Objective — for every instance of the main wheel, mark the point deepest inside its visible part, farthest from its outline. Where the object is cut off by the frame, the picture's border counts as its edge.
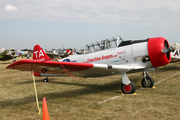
(128, 89)
(45, 80)
(149, 82)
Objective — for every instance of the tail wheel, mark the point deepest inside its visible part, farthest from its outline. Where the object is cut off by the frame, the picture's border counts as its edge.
(128, 89)
(45, 80)
(148, 82)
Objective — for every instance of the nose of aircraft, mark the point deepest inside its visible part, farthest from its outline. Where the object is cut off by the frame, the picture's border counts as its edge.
(159, 51)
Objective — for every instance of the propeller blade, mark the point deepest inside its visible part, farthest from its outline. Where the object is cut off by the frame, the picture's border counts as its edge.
(167, 50)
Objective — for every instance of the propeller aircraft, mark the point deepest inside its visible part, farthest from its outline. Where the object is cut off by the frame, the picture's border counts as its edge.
(105, 58)
(175, 54)
(7, 54)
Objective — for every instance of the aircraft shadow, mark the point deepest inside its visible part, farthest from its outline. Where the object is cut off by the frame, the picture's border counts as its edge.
(89, 89)
(168, 68)
(31, 81)
(5, 63)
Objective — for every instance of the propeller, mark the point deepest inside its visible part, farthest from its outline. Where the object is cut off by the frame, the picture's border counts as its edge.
(12, 52)
(167, 49)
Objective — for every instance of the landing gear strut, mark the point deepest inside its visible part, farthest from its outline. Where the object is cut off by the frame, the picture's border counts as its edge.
(147, 81)
(14, 60)
(45, 80)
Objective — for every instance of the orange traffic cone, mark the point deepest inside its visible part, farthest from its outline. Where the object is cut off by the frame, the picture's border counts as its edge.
(45, 110)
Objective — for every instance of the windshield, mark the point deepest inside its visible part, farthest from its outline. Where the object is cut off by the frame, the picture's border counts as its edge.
(102, 45)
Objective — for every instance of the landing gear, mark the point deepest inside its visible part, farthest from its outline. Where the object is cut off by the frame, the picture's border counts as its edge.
(128, 89)
(45, 80)
(14, 60)
(147, 81)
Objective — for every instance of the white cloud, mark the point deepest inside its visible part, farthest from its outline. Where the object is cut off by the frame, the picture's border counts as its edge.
(10, 8)
(102, 11)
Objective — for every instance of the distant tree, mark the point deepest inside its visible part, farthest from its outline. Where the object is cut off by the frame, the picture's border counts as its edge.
(27, 50)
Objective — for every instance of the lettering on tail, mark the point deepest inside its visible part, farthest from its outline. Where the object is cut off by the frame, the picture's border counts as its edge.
(39, 54)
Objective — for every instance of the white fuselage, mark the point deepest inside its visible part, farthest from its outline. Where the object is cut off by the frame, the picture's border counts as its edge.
(128, 54)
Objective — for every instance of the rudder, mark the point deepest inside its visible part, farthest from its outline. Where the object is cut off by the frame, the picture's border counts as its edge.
(39, 54)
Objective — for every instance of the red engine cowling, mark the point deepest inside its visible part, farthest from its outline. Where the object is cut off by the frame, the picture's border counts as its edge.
(157, 57)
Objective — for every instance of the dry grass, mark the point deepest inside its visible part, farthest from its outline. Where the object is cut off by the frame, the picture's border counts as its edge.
(68, 98)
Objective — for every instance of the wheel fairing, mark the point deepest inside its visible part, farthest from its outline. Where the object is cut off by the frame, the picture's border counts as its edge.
(128, 89)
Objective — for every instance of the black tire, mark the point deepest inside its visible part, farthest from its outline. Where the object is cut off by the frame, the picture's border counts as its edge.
(128, 89)
(148, 83)
(45, 80)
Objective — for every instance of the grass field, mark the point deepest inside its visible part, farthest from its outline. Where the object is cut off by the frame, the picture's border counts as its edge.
(70, 99)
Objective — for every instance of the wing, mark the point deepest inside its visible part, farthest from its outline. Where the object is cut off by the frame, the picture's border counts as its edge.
(50, 66)
(76, 69)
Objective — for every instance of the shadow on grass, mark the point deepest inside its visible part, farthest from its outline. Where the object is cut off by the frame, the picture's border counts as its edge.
(30, 81)
(6, 63)
(174, 66)
(89, 89)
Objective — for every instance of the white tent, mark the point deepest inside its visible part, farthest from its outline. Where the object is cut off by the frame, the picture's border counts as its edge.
(2, 50)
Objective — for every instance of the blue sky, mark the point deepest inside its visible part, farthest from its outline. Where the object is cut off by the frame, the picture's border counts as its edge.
(72, 24)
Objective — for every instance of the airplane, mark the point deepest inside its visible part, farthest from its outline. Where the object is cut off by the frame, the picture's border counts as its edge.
(105, 58)
(59, 54)
(7, 54)
(175, 54)
(23, 53)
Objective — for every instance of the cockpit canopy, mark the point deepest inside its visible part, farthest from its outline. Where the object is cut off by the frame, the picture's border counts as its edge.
(102, 45)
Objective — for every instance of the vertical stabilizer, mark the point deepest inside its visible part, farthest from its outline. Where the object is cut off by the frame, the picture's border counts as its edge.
(39, 54)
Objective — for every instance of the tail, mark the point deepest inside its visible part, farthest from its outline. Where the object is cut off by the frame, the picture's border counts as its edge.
(39, 54)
